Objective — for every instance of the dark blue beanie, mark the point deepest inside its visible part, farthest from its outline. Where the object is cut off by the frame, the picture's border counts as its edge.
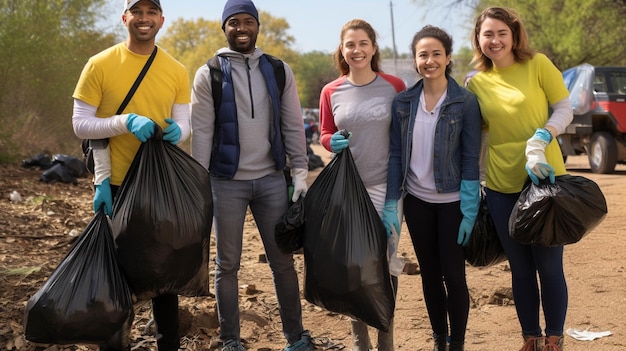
(234, 7)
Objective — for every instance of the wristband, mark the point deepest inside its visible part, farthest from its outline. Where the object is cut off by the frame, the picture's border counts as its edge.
(549, 133)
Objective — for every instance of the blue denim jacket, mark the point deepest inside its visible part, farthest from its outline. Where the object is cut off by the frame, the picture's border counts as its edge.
(457, 139)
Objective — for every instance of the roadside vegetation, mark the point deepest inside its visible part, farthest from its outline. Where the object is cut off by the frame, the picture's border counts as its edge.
(45, 44)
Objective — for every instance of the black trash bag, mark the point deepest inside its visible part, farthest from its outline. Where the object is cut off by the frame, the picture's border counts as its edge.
(484, 248)
(315, 161)
(86, 300)
(290, 229)
(345, 247)
(58, 173)
(557, 214)
(75, 166)
(43, 161)
(162, 219)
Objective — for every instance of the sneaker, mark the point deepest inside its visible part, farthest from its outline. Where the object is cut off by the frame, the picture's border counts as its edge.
(233, 345)
(304, 344)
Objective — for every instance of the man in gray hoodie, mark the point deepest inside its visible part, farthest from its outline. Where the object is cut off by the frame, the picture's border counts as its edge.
(244, 144)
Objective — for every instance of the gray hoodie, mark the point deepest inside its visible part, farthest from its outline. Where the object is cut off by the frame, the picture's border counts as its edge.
(254, 122)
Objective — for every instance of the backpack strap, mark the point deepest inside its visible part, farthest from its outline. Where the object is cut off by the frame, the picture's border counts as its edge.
(279, 71)
(215, 70)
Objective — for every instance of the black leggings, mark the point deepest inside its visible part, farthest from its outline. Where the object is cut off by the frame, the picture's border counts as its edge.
(434, 230)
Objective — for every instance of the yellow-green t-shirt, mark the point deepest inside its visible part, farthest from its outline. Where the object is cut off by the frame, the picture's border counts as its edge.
(514, 103)
(107, 78)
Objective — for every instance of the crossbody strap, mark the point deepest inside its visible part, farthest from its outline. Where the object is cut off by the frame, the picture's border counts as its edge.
(89, 144)
(132, 90)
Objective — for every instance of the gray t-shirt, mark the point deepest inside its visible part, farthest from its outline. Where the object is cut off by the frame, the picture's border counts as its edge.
(365, 111)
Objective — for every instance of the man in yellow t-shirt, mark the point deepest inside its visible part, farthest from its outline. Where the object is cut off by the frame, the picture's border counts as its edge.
(162, 98)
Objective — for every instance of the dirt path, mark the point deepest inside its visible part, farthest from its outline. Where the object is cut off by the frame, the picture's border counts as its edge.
(34, 236)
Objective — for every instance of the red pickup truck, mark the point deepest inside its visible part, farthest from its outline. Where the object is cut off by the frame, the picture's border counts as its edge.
(598, 96)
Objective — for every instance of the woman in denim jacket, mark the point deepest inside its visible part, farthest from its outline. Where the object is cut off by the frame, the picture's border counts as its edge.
(433, 167)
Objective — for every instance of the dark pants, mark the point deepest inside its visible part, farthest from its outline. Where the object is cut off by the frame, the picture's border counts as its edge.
(165, 312)
(434, 230)
(528, 262)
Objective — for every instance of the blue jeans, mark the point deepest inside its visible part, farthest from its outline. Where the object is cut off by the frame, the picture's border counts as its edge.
(528, 261)
(267, 199)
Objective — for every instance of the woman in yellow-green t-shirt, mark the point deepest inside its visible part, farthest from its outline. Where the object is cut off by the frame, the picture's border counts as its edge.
(515, 87)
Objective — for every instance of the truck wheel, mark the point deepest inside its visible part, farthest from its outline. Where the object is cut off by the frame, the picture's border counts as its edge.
(602, 153)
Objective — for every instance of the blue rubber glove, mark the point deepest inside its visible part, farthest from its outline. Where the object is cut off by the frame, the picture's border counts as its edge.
(142, 127)
(338, 141)
(536, 165)
(470, 202)
(390, 217)
(103, 197)
(172, 132)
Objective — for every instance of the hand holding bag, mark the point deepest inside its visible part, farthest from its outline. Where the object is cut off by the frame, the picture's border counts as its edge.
(557, 214)
(345, 247)
(162, 220)
(484, 248)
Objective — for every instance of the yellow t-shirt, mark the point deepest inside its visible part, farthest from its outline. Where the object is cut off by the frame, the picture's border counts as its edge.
(107, 78)
(514, 103)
